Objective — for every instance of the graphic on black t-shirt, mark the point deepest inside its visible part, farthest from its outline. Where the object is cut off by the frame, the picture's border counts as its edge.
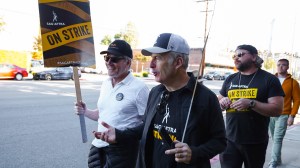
(166, 115)
(235, 94)
(160, 159)
(165, 118)
(249, 126)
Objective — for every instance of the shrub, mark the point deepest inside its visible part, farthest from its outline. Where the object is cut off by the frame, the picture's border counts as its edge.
(136, 75)
(145, 74)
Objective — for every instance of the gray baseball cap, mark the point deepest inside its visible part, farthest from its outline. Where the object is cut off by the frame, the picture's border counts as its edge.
(167, 42)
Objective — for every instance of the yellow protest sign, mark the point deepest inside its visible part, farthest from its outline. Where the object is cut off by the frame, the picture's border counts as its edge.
(67, 34)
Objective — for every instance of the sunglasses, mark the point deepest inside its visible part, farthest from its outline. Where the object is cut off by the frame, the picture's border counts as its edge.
(281, 65)
(239, 55)
(161, 106)
(112, 59)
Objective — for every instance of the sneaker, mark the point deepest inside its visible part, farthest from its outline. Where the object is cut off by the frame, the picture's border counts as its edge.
(274, 164)
(279, 162)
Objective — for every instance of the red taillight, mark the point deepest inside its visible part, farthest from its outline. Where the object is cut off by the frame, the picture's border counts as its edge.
(25, 74)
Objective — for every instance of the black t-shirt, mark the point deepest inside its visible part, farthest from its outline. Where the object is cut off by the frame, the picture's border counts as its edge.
(166, 117)
(248, 126)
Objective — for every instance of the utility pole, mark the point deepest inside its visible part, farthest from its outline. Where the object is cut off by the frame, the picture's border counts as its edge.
(202, 65)
(271, 34)
(294, 58)
(270, 44)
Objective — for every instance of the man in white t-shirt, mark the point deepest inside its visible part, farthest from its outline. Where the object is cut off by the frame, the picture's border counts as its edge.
(121, 104)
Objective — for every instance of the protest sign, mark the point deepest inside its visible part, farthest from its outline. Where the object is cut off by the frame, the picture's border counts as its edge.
(67, 38)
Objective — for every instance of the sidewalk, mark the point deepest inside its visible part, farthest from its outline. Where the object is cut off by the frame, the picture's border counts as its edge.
(290, 149)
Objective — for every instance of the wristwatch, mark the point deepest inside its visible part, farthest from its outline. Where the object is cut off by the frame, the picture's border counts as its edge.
(252, 104)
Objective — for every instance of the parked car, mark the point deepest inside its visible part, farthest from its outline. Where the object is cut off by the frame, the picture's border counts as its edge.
(213, 75)
(92, 70)
(226, 74)
(55, 73)
(194, 72)
(11, 71)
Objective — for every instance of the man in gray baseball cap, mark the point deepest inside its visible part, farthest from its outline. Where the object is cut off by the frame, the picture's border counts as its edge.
(165, 139)
(168, 108)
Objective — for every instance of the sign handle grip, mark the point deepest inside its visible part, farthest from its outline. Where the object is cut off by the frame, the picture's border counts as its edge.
(79, 98)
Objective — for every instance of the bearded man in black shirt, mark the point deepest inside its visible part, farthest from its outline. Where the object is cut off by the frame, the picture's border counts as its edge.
(250, 97)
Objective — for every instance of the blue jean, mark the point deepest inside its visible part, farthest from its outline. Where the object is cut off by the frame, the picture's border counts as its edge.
(277, 127)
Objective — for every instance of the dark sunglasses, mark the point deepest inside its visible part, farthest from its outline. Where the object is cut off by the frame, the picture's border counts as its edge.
(113, 59)
(161, 106)
(239, 55)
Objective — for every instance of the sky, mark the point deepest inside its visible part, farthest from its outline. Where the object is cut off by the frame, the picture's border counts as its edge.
(267, 24)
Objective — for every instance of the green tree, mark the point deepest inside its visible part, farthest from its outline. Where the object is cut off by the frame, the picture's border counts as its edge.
(2, 24)
(269, 63)
(119, 36)
(37, 53)
(129, 34)
(141, 58)
(106, 40)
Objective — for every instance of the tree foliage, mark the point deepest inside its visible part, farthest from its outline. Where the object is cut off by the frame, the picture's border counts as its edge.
(269, 63)
(268, 60)
(37, 53)
(141, 58)
(118, 36)
(2, 24)
(129, 34)
(106, 40)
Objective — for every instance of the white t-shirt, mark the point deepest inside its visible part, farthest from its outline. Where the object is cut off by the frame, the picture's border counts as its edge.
(121, 106)
(281, 80)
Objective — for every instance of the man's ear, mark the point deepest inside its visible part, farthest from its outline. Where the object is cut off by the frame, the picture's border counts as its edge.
(179, 62)
(129, 63)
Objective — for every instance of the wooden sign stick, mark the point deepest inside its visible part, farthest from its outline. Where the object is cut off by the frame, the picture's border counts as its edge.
(79, 98)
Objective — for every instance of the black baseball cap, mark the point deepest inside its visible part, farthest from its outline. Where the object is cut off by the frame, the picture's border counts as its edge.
(252, 50)
(119, 48)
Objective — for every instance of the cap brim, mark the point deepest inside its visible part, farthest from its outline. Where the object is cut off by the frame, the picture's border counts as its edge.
(153, 50)
(116, 53)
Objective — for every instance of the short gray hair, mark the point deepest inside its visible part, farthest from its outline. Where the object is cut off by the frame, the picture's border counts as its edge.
(128, 59)
(185, 58)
